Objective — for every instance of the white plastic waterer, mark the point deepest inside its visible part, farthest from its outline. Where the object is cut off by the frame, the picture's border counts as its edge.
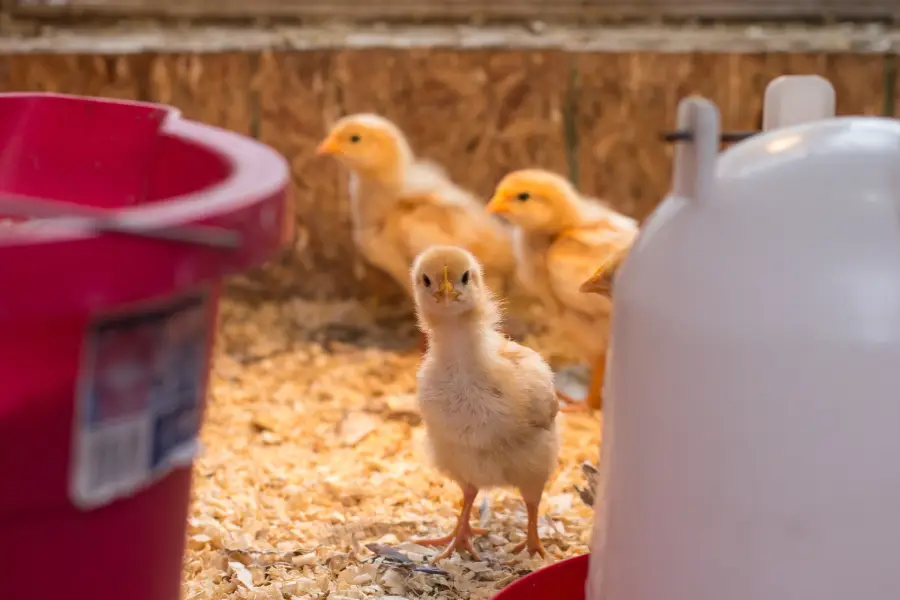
(753, 403)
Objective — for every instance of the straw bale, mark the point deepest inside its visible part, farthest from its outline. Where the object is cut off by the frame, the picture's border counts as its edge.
(311, 454)
(626, 100)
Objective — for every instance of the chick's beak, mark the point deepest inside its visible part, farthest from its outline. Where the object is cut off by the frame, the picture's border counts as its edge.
(445, 289)
(328, 146)
(497, 205)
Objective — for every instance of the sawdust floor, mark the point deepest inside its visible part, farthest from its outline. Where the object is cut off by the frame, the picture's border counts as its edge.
(312, 454)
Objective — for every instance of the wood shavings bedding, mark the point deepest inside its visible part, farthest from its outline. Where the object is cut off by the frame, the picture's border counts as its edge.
(312, 452)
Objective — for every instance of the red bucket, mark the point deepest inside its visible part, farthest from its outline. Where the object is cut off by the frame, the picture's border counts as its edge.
(564, 580)
(107, 331)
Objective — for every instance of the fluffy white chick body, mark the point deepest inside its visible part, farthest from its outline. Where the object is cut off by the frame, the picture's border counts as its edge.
(475, 435)
(489, 404)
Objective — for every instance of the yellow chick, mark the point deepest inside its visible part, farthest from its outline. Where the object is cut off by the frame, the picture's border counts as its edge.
(489, 404)
(400, 205)
(560, 239)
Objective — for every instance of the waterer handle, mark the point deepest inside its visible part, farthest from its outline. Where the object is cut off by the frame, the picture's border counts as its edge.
(695, 161)
(795, 99)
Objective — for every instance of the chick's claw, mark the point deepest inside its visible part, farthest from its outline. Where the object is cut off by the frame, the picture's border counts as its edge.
(533, 545)
(461, 542)
(447, 539)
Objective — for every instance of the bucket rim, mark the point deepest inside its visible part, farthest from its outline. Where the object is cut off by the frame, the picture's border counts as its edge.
(256, 172)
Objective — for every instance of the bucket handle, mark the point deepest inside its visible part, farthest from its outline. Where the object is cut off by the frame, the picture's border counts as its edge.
(695, 160)
(101, 220)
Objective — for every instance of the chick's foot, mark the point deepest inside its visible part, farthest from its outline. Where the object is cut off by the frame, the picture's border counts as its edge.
(461, 538)
(461, 542)
(534, 546)
(446, 539)
(532, 542)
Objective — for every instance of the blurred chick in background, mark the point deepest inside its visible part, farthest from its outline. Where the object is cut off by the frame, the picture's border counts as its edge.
(561, 238)
(489, 404)
(400, 205)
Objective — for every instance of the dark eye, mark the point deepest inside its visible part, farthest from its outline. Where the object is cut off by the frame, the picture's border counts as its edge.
(523, 196)
(354, 139)
(426, 280)
(465, 278)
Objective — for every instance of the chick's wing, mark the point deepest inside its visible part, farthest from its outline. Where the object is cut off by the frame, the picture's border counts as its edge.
(574, 258)
(540, 404)
(603, 277)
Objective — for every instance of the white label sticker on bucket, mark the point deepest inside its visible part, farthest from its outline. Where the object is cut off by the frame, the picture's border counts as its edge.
(139, 401)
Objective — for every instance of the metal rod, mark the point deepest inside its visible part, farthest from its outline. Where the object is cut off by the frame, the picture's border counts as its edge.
(21, 206)
(686, 136)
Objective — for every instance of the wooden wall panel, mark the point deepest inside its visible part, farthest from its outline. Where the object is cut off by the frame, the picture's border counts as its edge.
(596, 116)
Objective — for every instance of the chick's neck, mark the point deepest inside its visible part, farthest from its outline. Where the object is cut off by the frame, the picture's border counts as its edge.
(462, 337)
(375, 192)
(574, 213)
(388, 176)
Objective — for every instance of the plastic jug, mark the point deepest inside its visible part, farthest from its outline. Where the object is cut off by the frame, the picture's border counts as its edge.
(751, 431)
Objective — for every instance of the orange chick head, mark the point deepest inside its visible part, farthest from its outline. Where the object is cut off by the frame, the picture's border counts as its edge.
(367, 143)
(447, 281)
(535, 200)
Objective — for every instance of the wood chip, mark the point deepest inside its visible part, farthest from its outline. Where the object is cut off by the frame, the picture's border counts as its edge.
(403, 405)
(355, 427)
(242, 573)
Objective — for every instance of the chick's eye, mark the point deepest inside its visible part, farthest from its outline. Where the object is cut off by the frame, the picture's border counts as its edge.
(523, 196)
(426, 280)
(465, 278)
(354, 139)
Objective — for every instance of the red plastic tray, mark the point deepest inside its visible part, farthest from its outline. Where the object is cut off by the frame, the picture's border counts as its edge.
(564, 580)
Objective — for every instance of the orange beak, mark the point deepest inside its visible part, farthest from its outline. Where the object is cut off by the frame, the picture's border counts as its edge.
(497, 205)
(328, 146)
(445, 289)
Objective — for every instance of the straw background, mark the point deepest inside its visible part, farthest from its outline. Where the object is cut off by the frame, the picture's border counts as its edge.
(595, 116)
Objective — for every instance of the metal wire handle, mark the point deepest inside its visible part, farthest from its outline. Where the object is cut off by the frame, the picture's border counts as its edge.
(98, 219)
(683, 135)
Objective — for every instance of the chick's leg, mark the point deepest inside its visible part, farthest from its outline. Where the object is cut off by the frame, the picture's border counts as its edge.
(593, 398)
(461, 538)
(532, 541)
